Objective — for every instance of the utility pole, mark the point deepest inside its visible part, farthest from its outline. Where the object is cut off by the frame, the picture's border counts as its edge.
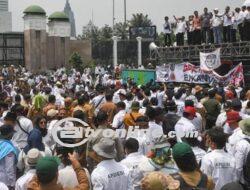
(113, 14)
(125, 11)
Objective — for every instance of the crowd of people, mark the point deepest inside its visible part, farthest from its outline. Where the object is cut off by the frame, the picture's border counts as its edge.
(213, 27)
(32, 159)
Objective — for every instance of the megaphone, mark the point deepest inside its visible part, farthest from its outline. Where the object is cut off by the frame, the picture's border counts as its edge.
(153, 46)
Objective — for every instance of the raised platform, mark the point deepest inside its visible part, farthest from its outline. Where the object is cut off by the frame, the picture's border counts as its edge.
(236, 52)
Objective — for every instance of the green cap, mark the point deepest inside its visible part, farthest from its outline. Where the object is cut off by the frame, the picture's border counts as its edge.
(135, 106)
(181, 149)
(245, 126)
(47, 165)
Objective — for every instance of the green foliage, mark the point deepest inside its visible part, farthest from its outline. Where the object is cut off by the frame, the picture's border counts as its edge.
(121, 30)
(140, 20)
(106, 32)
(89, 32)
(160, 39)
(76, 62)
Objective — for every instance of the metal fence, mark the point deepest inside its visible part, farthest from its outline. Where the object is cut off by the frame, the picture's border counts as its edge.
(102, 51)
(11, 48)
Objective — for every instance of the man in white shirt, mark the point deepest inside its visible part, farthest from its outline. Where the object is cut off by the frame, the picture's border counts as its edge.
(227, 25)
(118, 118)
(217, 26)
(23, 127)
(181, 27)
(155, 131)
(167, 30)
(218, 164)
(240, 17)
(184, 126)
(98, 100)
(242, 147)
(197, 121)
(108, 174)
(31, 160)
(133, 159)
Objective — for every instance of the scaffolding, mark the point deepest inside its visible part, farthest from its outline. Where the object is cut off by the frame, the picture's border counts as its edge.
(236, 52)
(12, 48)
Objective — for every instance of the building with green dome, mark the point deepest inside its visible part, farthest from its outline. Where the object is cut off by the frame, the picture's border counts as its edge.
(59, 24)
(34, 10)
(47, 40)
(34, 18)
(59, 16)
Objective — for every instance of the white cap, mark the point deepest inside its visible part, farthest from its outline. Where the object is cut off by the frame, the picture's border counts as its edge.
(216, 9)
(123, 92)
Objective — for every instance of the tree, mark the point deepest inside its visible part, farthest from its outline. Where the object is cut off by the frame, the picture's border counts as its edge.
(140, 20)
(121, 30)
(89, 32)
(76, 62)
(106, 33)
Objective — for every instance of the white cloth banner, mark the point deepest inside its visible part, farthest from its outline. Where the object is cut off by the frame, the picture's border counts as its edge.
(188, 73)
(210, 61)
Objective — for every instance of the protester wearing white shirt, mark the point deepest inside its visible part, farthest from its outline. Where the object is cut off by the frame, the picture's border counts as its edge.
(184, 126)
(218, 164)
(227, 25)
(133, 159)
(181, 27)
(242, 147)
(109, 174)
(119, 117)
(98, 100)
(167, 30)
(3, 186)
(30, 161)
(216, 22)
(155, 131)
(23, 126)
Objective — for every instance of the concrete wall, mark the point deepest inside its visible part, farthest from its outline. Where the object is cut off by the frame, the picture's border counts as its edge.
(83, 47)
(43, 52)
(35, 50)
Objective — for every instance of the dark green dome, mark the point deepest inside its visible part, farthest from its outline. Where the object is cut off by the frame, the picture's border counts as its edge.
(34, 9)
(59, 16)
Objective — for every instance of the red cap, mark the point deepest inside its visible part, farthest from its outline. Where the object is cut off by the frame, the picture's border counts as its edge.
(190, 110)
(233, 116)
(230, 95)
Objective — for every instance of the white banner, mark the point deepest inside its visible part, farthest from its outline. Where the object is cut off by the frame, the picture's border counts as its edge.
(210, 61)
(188, 73)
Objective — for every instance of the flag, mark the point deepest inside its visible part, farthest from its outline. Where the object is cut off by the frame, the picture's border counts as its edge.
(210, 61)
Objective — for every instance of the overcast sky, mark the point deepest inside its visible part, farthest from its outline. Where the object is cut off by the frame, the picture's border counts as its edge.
(102, 9)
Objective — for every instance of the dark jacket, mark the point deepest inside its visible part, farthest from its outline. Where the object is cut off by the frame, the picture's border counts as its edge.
(169, 122)
(213, 109)
(35, 141)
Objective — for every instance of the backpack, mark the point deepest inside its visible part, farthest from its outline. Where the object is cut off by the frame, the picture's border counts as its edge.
(202, 185)
(246, 166)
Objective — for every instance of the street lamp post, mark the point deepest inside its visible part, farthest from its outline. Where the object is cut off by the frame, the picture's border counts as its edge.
(125, 11)
(113, 14)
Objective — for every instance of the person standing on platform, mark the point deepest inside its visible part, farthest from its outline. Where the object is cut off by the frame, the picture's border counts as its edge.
(216, 23)
(181, 27)
(167, 29)
(197, 29)
(205, 26)
(227, 25)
